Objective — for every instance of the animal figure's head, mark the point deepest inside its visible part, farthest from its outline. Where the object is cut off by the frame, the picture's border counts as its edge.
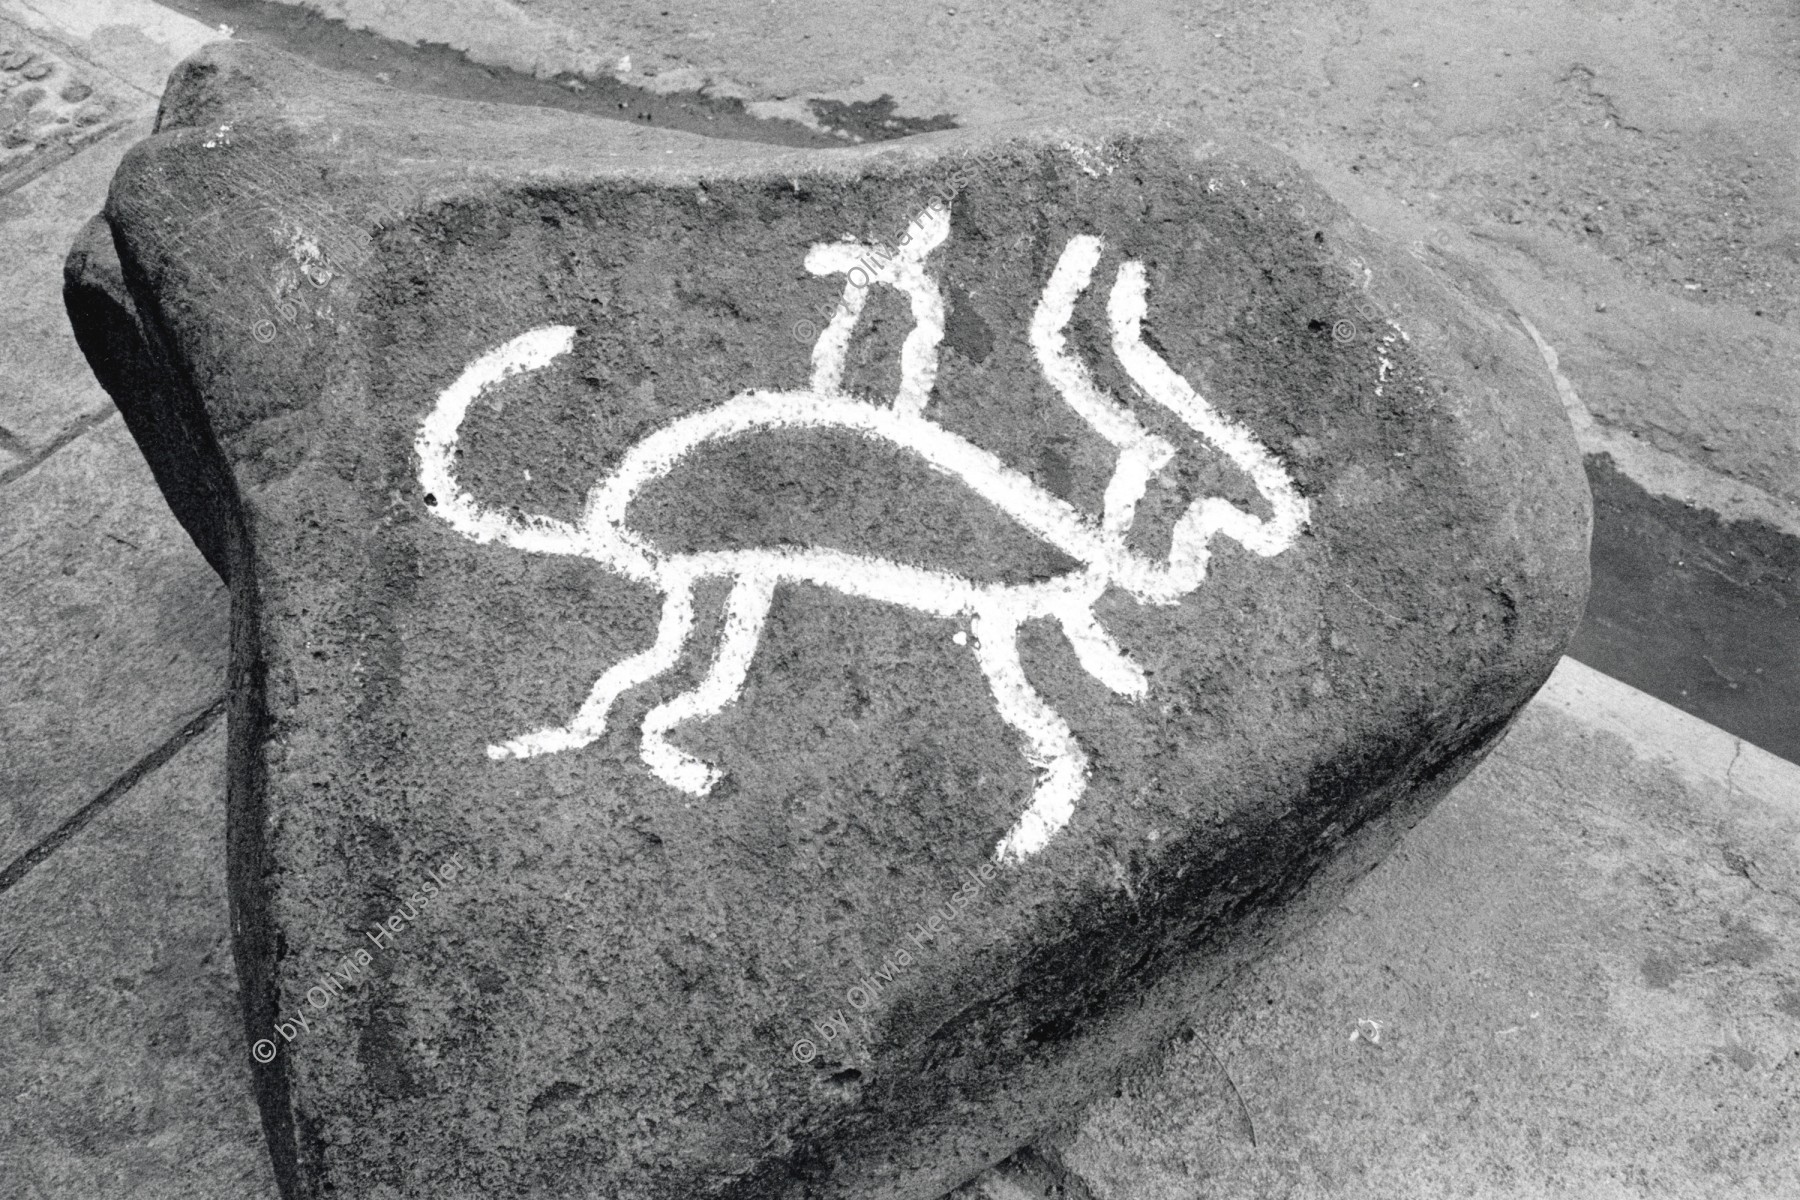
(1141, 453)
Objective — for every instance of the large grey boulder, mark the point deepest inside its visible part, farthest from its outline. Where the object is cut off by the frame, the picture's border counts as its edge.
(779, 673)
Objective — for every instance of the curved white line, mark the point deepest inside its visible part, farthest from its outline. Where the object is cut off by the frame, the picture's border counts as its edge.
(745, 613)
(1038, 510)
(436, 442)
(995, 610)
(1050, 743)
(589, 722)
(1126, 308)
(919, 352)
(902, 269)
(1141, 453)
(831, 348)
(1067, 374)
(1101, 656)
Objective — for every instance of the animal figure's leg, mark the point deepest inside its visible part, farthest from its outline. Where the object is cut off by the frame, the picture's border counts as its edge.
(590, 721)
(1099, 655)
(1051, 744)
(745, 613)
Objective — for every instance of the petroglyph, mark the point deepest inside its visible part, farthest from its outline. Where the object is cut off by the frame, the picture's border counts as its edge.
(994, 610)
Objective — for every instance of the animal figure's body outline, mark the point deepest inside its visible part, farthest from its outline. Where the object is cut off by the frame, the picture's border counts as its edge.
(994, 610)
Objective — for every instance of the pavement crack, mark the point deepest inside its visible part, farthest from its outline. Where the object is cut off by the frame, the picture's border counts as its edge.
(113, 791)
(75, 429)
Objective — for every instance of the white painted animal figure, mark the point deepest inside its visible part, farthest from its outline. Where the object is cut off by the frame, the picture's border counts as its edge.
(994, 610)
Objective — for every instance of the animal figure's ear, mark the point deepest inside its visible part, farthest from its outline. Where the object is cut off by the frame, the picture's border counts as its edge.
(1066, 373)
(1141, 453)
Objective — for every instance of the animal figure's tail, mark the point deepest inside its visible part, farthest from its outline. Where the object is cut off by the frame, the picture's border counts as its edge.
(436, 446)
(437, 442)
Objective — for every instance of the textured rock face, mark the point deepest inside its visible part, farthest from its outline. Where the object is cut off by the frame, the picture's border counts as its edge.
(767, 673)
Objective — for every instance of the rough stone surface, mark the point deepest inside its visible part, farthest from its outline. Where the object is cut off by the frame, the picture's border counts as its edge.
(614, 985)
(1663, 866)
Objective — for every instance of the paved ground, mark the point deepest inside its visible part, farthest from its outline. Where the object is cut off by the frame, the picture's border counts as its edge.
(1572, 979)
(1620, 869)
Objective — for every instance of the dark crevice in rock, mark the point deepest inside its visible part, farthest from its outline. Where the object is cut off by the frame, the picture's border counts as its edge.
(107, 327)
(249, 868)
(123, 332)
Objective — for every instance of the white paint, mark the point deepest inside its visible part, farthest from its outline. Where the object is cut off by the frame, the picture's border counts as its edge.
(994, 612)
(996, 1186)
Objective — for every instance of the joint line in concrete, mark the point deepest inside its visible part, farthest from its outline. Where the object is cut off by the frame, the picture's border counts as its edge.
(78, 820)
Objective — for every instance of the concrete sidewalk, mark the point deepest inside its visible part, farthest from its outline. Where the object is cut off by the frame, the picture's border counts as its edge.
(1572, 979)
